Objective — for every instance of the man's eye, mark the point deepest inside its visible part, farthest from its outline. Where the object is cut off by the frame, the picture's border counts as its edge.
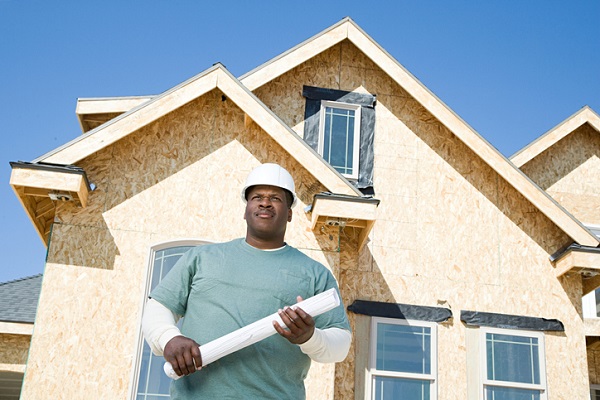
(275, 199)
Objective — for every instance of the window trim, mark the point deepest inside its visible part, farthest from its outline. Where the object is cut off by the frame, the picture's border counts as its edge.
(357, 134)
(139, 346)
(372, 372)
(484, 381)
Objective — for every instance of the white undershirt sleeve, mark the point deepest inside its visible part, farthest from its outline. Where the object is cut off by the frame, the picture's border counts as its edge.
(328, 345)
(159, 326)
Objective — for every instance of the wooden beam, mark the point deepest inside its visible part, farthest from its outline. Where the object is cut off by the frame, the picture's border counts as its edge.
(16, 328)
(585, 263)
(36, 192)
(346, 210)
(49, 180)
(109, 105)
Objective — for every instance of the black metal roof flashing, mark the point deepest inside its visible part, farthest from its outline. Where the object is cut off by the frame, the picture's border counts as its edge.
(573, 246)
(44, 166)
(400, 311)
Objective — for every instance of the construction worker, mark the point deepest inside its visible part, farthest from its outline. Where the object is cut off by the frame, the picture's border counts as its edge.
(219, 288)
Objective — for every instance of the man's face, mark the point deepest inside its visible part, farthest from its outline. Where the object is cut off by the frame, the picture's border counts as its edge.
(267, 213)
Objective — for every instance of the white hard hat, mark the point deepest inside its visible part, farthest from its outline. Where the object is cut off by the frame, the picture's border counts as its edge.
(272, 175)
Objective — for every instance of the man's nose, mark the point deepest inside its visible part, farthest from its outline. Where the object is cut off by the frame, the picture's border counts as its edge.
(266, 202)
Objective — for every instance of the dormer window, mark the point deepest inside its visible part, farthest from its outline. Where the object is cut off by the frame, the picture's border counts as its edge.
(340, 126)
(339, 136)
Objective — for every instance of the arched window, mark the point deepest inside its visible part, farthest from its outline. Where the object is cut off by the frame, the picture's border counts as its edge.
(150, 382)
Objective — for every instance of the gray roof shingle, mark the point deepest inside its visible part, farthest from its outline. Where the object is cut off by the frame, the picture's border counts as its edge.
(19, 299)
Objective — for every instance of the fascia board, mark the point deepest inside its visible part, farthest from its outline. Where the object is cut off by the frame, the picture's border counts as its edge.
(547, 140)
(133, 120)
(283, 135)
(16, 328)
(101, 105)
(472, 139)
(295, 56)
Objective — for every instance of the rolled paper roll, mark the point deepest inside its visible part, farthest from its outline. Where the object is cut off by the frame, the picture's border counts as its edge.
(259, 330)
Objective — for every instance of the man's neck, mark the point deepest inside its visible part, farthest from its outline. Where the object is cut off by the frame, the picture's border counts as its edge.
(265, 245)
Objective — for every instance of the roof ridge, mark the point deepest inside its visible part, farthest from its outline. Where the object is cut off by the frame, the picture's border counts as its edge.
(21, 279)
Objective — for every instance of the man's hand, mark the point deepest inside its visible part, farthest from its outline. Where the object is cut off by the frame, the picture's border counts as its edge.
(300, 325)
(184, 355)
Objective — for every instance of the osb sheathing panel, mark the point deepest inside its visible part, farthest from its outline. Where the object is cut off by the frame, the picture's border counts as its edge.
(574, 176)
(180, 177)
(13, 352)
(593, 359)
(450, 231)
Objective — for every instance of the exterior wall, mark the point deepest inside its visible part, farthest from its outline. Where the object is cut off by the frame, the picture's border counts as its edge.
(593, 358)
(13, 352)
(179, 177)
(574, 179)
(450, 232)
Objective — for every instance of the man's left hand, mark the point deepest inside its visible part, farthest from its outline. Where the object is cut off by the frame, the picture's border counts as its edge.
(300, 325)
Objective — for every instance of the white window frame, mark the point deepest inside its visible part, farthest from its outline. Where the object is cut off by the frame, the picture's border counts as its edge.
(589, 303)
(594, 388)
(155, 248)
(357, 117)
(542, 386)
(372, 372)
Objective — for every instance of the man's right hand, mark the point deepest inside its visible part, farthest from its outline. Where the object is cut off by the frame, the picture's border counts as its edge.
(184, 355)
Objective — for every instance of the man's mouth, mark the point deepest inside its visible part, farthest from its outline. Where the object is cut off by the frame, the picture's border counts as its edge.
(264, 214)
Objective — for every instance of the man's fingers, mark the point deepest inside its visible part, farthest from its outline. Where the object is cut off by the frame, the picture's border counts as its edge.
(306, 318)
(197, 357)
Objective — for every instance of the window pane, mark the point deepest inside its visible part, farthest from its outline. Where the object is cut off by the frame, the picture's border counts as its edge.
(153, 384)
(512, 358)
(400, 389)
(500, 393)
(338, 141)
(403, 348)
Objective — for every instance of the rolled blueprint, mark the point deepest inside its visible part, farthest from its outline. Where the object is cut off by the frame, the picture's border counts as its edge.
(259, 330)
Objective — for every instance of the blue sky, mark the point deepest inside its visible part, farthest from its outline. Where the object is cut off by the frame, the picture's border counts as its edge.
(511, 69)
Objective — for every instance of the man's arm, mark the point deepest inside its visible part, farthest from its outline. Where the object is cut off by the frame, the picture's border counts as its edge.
(328, 345)
(164, 338)
(159, 326)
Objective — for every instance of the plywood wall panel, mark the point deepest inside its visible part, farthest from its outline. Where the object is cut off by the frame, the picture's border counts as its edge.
(574, 176)
(88, 317)
(13, 352)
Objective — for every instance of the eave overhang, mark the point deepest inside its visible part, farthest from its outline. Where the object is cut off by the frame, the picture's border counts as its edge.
(584, 116)
(39, 186)
(579, 259)
(16, 328)
(346, 212)
(93, 112)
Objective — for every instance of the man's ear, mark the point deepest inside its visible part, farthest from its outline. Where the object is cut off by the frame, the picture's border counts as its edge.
(290, 213)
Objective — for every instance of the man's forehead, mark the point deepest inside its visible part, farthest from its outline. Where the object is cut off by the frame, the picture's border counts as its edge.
(265, 189)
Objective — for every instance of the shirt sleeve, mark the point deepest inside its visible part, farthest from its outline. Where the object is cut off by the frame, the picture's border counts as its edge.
(159, 326)
(328, 345)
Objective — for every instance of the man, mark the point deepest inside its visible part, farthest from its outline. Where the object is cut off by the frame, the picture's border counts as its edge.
(222, 287)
